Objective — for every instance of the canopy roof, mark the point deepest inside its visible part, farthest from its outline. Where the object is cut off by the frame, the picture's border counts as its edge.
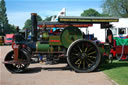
(61, 25)
(80, 19)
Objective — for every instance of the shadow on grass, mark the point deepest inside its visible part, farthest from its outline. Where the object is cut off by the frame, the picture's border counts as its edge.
(113, 65)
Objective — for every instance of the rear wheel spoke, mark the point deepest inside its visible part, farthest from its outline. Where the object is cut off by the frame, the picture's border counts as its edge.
(90, 49)
(79, 49)
(76, 54)
(77, 61)
(83, 64)
(91, 61)
(79, 64)
(91, 53)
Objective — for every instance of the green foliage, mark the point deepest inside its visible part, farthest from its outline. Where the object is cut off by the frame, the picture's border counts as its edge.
(5, 28)
(12, 29)
(9, 30)
(39, 18)
(28, 23)
(48, 18)
(93, 13)
(3, 15)
(90, 13)
(105, 15)
(117, 8)
(117, 71)
(0, 14)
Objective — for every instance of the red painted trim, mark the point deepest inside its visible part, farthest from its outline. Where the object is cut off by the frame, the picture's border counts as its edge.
(113, 52)
(105, 54)
(54, 40)
(16, 51)
(124, 57)
(65, 25)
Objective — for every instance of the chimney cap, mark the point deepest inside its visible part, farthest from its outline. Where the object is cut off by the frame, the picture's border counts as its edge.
(34, 14)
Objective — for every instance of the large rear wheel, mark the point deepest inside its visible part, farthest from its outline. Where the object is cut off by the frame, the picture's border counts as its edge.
(83, 56)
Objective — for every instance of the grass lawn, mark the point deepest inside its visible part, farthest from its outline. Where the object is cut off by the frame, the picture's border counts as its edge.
(117, 71)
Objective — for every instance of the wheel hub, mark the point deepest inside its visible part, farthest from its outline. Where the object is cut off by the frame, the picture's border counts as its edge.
(84, 55)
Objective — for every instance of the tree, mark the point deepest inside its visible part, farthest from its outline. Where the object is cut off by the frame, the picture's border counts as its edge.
(28, 22)
(3, 15)
(5, 28)
(90, 13)
(48, 18)
(117, 8)
(11, 29)
(0, 15)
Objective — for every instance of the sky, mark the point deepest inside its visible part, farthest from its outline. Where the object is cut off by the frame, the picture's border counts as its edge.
(18, 11)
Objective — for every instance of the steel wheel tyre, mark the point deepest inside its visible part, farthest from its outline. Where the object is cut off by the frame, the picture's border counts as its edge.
(16, 68)
(83, 56)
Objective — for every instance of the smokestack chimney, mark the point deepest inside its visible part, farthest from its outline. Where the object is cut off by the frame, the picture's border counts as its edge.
(26, 33)
(17, 29)
(34, 26)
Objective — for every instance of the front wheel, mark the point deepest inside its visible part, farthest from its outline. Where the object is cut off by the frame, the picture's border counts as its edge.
(15, 67)
(83, 56)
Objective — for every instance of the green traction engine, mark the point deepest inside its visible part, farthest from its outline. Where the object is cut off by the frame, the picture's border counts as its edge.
(65, 44)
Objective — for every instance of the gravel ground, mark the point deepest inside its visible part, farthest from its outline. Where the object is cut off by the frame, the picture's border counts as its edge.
(38, 74)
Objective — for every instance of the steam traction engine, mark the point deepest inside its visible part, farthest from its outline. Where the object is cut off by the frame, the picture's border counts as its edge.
(66, 43)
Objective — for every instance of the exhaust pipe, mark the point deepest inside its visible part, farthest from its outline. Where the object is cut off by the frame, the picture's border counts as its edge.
(26, 34)
(17, 29)
(34, 26)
